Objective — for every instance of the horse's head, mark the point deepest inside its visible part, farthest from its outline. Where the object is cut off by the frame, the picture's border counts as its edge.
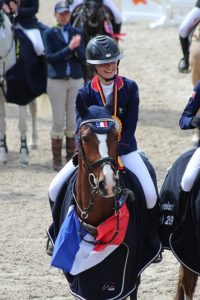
(93, 14)
(98, 139)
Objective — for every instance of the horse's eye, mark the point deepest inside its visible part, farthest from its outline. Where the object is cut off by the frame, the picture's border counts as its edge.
(85, 139)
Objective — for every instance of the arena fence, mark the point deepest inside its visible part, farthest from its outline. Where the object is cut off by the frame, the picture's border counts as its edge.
(158, 12)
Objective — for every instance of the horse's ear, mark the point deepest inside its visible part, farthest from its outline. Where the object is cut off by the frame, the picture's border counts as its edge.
(81, 107)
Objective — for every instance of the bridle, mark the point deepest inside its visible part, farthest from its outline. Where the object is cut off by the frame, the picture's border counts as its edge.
(95, 186)
(93, 180)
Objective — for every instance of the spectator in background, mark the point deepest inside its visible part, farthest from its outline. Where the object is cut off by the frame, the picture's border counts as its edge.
(64, 54)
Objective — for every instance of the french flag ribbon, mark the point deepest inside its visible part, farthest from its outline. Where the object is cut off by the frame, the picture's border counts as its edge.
(103, 124)
(74, 255)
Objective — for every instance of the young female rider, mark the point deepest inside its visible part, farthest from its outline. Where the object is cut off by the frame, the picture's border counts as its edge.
(190, 120)
(122, 96)
(191, 19)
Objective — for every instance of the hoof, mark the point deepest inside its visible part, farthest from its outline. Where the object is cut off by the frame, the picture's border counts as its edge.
(183, 67)
(24, 156)
(3, 155)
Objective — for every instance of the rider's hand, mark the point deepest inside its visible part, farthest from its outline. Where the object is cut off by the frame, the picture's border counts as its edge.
(13, 6)
(75, 42)
(6, 8)
(195, 121)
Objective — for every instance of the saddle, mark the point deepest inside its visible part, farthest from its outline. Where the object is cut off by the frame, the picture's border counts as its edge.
(22, 84)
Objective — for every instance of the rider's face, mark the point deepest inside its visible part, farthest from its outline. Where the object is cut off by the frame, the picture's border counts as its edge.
(63, 18)
(107, 70)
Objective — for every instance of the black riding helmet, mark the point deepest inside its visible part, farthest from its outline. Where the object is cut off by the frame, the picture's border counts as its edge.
(102, 49)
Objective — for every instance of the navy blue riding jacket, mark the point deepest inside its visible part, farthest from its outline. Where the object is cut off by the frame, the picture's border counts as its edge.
(191, 108)
(26, 13)
(58, 54)
(127, 109)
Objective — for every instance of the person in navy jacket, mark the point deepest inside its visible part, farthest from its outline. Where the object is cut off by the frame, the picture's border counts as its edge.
(24, 12)
(121, 97)
(65, 54)
(190, 119)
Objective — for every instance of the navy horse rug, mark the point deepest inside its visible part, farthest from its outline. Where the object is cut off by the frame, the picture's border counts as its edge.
(27, 79)
(181, 233)
(110, 270)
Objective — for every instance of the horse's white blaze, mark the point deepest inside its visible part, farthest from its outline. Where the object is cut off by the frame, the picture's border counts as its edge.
(107, 170)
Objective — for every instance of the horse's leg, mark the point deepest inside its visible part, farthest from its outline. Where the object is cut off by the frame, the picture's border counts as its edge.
(180, 290)
(23, 129)
(186, 284)
(33, 111)
(3, 146)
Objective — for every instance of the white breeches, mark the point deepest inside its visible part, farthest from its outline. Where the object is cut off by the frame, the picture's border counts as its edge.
(59, 179)
(191, 19)
(132, 161)
(62, 96)
(34, 36)
(135, 164)
(191, 171)
(108, 3)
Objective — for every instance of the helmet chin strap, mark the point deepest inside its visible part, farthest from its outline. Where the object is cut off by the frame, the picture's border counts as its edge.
(108, 79)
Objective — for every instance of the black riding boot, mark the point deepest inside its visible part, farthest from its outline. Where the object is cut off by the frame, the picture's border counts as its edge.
(153, 217)
(184, 62)
(182, 202)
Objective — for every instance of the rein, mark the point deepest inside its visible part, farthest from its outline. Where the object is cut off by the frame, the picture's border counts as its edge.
(91, 229)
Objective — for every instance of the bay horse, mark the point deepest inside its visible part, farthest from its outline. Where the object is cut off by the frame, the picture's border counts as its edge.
(180, 226)
(15, 86)
(94, 18)
(100, 232)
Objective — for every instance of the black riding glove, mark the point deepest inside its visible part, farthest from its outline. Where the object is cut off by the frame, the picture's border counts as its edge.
(195, 122)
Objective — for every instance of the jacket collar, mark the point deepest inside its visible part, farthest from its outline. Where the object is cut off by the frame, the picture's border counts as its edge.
(94, 83)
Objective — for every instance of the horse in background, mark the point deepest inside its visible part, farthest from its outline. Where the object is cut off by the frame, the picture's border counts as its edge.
(180, 226)
(17, 85)
(94, 18)
(107, 213)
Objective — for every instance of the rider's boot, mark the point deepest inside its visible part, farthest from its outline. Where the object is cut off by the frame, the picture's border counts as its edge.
(184, 62)
(182, 202)
(3, 149)
(57, 153)
(24, 152)
(70, 148)
(153, 217)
